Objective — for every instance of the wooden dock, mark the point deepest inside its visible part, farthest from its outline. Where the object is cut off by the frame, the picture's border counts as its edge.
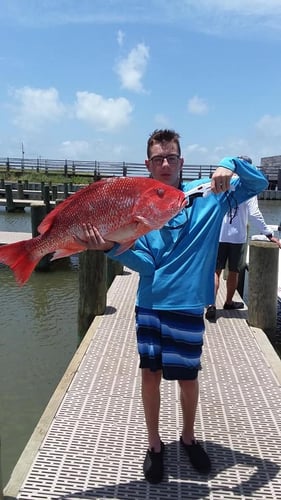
(90, 441)
(7, 237)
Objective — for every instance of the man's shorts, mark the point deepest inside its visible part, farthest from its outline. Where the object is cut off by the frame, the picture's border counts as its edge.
(232, 254)
(170, 341)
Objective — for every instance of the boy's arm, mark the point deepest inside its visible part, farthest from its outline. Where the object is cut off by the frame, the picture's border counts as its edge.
(139, 259)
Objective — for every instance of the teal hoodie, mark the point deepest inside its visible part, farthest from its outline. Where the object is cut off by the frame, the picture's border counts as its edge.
(176, 264)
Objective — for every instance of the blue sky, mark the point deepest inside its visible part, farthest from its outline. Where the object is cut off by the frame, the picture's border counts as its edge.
(91, 79)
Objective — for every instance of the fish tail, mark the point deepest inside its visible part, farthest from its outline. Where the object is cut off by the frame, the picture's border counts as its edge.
(19, 259)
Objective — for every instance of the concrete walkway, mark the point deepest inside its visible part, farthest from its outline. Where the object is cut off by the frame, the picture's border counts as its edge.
(90, 442)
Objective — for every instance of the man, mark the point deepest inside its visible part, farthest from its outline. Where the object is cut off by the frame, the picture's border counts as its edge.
(233, 237)
(176, 266)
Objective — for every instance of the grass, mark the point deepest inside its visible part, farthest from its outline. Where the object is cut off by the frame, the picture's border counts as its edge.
(43, 177)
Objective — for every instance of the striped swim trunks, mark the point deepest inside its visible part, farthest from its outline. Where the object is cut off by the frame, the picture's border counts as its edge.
(170, 341)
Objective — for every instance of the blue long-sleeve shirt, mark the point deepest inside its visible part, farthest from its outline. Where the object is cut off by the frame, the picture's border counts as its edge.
(176, 263)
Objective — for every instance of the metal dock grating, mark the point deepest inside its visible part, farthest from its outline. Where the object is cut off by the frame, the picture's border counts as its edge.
(95, 445)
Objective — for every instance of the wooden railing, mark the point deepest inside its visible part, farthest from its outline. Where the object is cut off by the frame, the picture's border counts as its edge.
(71, 168)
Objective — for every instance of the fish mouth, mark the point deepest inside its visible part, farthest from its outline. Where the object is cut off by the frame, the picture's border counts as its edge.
(184, 203)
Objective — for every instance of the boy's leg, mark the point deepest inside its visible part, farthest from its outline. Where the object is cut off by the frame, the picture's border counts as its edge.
(151, 405)
(189, 393)
(189, 400)
(153, 466)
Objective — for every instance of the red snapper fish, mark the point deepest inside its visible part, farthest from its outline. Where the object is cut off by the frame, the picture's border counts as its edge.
(122, 209)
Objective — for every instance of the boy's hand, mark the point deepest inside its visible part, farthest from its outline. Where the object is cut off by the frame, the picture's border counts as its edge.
(92, 239)
(221, 180)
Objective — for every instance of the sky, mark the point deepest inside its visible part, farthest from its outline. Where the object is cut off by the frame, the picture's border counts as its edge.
(91, 79)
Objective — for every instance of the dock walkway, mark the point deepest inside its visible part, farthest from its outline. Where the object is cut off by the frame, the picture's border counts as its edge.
(90, 441)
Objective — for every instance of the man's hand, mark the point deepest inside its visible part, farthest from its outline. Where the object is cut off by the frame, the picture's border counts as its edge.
(92, 239)
(275, 240)
(221, 180)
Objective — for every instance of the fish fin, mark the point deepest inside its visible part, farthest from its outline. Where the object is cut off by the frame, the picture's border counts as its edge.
(47, 222)
(66, 252)
(141, 220)
(125, 246)
(18, 258)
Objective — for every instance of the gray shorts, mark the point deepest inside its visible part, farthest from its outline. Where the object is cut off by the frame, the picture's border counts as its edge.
(231, 254)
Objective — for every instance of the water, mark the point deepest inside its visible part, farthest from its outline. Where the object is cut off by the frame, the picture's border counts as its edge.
(38, 338)
(271, 210)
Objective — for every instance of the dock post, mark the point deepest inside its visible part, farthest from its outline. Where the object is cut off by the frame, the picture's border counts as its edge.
(46, 198)
(1, 482)
(113, 268)
(263, 286)
(10, 206)
(92, 288)
(20, 191)
(65, 190)
(38, 211)
(42, 190)
(54, 193)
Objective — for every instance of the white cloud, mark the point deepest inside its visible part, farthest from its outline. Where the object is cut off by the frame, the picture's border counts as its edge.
(104, 114)
(132, 68)
(217, 16)
(75, 149)
(197, 106)
(270, 125)
(192, 148)
(161, 120)
(34, 106)
(253, 7)
(120, 37)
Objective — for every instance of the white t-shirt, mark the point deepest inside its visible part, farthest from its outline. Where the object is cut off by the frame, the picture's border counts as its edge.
(234, 225)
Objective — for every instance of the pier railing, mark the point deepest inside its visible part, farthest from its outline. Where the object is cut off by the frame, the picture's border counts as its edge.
(91, 168)
(95, 168)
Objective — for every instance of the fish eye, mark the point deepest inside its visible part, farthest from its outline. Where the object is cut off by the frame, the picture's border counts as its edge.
(160, 192)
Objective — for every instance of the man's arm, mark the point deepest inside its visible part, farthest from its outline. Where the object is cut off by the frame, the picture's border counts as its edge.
(256, 216)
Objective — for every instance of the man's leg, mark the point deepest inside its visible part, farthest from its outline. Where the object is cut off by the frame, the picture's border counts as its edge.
(211, 312)
(231, 285)
(235, 259)
(151, 405)
(217, 280)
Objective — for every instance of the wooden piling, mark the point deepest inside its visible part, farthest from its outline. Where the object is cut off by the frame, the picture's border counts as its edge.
(65, 190)
(54, 193)
(42, 190)
(10, 206)
(20, 190)
(38, 212)
(113, 268)
(263, 286)
(1, 481)
(46, 198)
(92, 288)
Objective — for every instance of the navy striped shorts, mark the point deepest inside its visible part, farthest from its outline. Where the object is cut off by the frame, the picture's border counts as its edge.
(170, 341)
